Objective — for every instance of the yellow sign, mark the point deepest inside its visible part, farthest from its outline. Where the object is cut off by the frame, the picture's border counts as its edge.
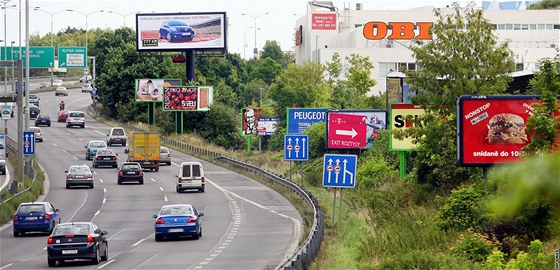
(403, 117)
(394, 90)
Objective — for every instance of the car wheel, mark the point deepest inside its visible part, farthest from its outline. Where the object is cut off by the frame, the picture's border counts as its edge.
(158, 238)
(141, 182)
(156, 169)
(169, 37)
(96, 259)
(83, 126)
(168, 163)
(93, 165)
(52, 263)
(49, 125)
(106, 254)
(178, 190)
(201, 190)
(67, 126)
(16, 234)
(115, 166)
(91, 186)
(196, 236)
(67, 186)
(119, 182)
(200, 233)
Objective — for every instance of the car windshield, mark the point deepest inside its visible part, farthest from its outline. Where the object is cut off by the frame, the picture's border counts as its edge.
(163, 150)
(78, 170)
(176, 210)
(31, 208)
(105, 152)
(118, 132)
(130, 166)
(65, 229)
(97, 144)
(177, 23)
(76, 114)
(33, 97)
(34, 129)
(43, 117)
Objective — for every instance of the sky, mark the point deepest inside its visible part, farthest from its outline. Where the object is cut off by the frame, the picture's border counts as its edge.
(277, 25)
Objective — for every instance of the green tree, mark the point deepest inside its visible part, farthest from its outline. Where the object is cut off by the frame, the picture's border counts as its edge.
(272, 50)
(464, 58)
(546, 4)
(265, 69)
(220, 127)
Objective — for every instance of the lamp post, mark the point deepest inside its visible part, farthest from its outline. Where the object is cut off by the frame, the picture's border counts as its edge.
(5, 2)
(123, 15)
(245, 40)
(255, 51)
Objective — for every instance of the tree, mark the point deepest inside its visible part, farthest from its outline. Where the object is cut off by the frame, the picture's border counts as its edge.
(546, 4)
(220, 127)
(273, 51)
(265, 69)
(463, 59)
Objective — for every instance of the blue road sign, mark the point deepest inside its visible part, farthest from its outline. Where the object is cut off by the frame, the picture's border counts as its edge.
(301, 119)
(28, 143)
(296, 147)
(340, 171)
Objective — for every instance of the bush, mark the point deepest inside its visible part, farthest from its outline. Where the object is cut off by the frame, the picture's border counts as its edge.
(495, 261)
(317, 138)
(374, 170)
(474, 246)
(463, 209)
(276, 141)
(219, 127)
(423, 259)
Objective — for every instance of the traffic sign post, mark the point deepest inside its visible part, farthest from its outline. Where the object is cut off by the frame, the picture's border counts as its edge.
(72, 57)
(339, 171)
(296, 148)
(28, 143)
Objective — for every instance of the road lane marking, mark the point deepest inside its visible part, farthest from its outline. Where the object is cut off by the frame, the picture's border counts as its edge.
(97, 213)
(110, 261)
(100, 180)
(83, 203)
(7, 265)
(104, 190)
(76, 158)
(153, 179)
(63, 150)
(94, 172)
(161, 188)
(68, 133)
(100, 132)
(138, 243)
(165, 198)
(104, 200)
(80, 139)
(54, 145)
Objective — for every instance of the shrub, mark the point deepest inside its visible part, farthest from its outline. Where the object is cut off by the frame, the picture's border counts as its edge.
(374, 170)
(317, 138)
(495, 261)
(474, 246)
(423, 259)
(276, 141)
(463, 209)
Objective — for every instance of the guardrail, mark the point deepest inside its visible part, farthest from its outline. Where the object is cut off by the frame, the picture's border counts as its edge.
(306, 252)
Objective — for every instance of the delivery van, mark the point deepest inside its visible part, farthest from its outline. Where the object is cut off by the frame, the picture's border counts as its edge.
(190, 176)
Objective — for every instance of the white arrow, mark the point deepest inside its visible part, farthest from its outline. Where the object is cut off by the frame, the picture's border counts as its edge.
(348, 172)
(32, 141)
(303, 147)
(344, 171)
(297, 152)
(289, 151)
(329, 173)
(352, 132)
(336, 173)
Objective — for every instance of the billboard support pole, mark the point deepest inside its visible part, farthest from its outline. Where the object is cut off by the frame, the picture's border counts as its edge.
(334, 205)
(290, 171)
(402, 158)
(340, 209)
(190, 75)
(301, 172)
(249, 144)
(151, 113)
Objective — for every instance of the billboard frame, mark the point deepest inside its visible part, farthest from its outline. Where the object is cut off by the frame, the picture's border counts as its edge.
(210, 96)
(352, 112)
(136, 81)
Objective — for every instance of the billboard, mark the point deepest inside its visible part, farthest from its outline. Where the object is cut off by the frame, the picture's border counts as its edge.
(249, 121)
(152, 89)
(300, 119)
(187, 98)
(323, 21)
(3, 147)
(354, 129)
(181, 31)
(492, 129)
(267, 126)
(401, 119)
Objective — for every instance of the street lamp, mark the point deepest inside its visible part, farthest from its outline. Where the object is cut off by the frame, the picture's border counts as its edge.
(5, 2)
(255, 51)
(123, 15)
(245, 40)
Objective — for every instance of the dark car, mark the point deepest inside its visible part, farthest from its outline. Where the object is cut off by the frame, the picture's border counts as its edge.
(35, 217)
(43, 120)
(131, 171)
(178, 220)
(79, 175)
(105, 157)
(33, 112)
(177, 31)
(77, 240)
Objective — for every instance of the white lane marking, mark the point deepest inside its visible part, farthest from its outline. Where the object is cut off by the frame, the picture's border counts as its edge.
(153, 179)
(138, 243)
(100, 132)
(68, 133)
(6, 266)
(85, 199)
(105, 264)
(161, 188)
(104, 200)
(100, 180)
(76, 158)
(165, 198)
(80, 139)
(54, 145)
(97, 213)
(104, 190)
(64, 151)
(94, 172)
(174, 163)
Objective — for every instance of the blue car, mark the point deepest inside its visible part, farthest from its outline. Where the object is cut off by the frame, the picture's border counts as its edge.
(35, 217)
(178, 220)
(93, 146)
(176, 31)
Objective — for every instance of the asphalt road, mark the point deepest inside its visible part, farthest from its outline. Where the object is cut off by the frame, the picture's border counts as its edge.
(246, 224)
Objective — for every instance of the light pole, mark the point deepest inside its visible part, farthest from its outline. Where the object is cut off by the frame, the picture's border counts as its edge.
(245, 40)
(123, 15)
(87, 15)
(6, 45)
(255, 51)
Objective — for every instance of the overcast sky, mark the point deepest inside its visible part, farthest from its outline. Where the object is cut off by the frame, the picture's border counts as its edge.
(277, 25)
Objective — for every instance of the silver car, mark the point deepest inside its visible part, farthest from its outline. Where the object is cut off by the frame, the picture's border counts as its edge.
(164, 155)
(34, 99)
(61, 91)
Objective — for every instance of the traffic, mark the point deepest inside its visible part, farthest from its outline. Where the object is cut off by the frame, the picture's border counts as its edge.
(107, 182)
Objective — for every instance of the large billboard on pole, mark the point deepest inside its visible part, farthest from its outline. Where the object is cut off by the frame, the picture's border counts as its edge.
(181, 31)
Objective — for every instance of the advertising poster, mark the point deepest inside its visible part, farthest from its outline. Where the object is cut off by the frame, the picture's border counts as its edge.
(323, 21)
(493, 129)
(300, 119)
(402, 117)
(267, 126)
(249, 121)
(152, 89)
(187, 98)
(2, 147)
(394, 94)
(181, 31)
(6, 111)
(354, 129)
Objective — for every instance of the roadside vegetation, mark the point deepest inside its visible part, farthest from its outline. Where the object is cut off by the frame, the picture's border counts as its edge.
(440, 216)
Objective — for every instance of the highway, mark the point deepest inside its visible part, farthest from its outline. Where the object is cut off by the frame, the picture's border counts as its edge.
(246, 224)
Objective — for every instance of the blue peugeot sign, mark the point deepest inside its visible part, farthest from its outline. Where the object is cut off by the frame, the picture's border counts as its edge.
(339, 171)
(296, 147)
(301, 119)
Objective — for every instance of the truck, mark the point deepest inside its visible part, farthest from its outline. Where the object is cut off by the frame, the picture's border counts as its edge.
(144, 149)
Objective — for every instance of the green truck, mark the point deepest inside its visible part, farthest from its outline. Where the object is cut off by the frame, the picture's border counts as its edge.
(144, 149)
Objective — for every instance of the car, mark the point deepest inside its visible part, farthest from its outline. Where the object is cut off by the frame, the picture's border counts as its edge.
(190, 176)
(79, 175)
(58, 82)
(176, 31)
(33, 112)
(105, 157)
(117, 135)
(34, 99)
(43, 120)
(61, 91)
(38, 133)
(3, 166)
(130, 171)
(178, 220)
(76, 118)
(86, 78)
(86, 88)
(77, 240)
(93, 146)
(44, 84)
(35, 217)
(63, 115)
(164, 155)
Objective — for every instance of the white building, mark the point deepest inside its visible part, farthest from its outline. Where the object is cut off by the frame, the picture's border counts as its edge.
(325, 30)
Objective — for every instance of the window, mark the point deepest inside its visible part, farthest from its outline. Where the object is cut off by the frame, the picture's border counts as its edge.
(517, 27)
(187, 171)
(518, 66)
(31, 208)
(118, 132)
(540, 26)
(532, 26)
(524, 27)
(509, 26)
(501, 26)
(196, 170)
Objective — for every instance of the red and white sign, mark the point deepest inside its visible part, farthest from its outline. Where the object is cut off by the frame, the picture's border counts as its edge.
(323, 21)
(346, 131)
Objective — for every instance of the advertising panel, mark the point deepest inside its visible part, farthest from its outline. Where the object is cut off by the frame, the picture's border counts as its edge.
(354, 129)
(6, 111)
(267, 126)
(187, 98)
(492, 129)
(402, 116)
(323, 21)
(299, 120)
(2, 147)
(181, 31)
(394, 93)
(152, 89)
(249, 121)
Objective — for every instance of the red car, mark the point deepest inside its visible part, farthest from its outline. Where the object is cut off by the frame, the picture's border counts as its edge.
(62, 115)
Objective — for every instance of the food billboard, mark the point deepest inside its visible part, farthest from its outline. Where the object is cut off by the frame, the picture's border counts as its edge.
(249, 121)
(187, 98)
(152, 89)
(493, 129)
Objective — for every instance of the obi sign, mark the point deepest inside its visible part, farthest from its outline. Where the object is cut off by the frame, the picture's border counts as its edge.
(399, 30)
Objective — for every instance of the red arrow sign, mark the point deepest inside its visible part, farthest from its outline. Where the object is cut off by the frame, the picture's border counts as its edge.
(346, 131)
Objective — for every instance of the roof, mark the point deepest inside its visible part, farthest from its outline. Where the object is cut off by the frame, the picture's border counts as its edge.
(30, 203)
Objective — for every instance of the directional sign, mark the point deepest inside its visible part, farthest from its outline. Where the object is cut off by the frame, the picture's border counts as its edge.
(39, 56)
(300, 119)
(346, 131)
(296, 147)
(72, 57)
(28, 143)
(339, 170)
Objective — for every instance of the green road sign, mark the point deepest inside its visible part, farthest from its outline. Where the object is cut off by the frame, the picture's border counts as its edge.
(72, 57)
(39, 56)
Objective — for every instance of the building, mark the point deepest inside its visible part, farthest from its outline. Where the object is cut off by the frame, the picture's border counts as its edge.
(325, 30)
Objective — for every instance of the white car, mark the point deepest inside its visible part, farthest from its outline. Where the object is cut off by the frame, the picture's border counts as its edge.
(58, 82)
(34, 99)
(76, 118)
(86, 88)
(61, 90)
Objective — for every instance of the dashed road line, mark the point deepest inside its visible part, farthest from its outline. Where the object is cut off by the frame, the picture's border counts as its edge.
(100, 180)
(105, 264)
(165, 198)
(138, 243)
(161, 188)
(100, 132)
(76, 158)
(6, 266)
(153, 179)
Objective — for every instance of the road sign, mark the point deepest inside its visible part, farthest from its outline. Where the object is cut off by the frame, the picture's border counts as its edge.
(28, 143)
(299, 120)
(39, 56)
(346, 131)
(339, 171)
(6, 112)
(72, 57)
(296, 147)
